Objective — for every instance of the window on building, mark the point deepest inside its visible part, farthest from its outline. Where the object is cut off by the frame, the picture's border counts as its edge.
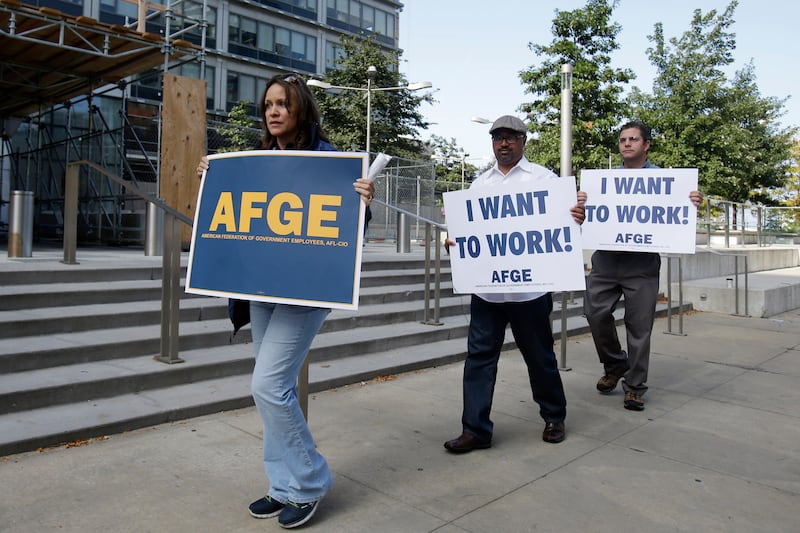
(354, 17)
(243, 88)
(249, 32)
(234, 29)
(195, 9)
(124, 11)
(283, 41)
(266, 36)
(368, 18)
(384, 24)
(338, 10)
(69, 7)
(192, 70)
(190, 14)
(357, 17)
(302, 8)
(333, 54)
(211, 76)
(270, 43)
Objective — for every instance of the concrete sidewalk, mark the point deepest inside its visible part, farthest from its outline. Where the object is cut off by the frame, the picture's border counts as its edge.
(717, 449)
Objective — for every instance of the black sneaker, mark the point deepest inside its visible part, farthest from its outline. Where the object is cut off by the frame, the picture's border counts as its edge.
(296, 514)
(266, 507)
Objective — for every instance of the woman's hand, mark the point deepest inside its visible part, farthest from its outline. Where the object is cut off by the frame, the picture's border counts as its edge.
(202, 166)
(366, 188)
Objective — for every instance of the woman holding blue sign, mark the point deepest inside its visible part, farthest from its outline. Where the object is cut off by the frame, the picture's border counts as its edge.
(282, 334)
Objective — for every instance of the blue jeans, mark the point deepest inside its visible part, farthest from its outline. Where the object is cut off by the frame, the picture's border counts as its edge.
(282, 336)
(533, 334)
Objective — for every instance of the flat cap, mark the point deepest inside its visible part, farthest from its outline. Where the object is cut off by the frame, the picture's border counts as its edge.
(508, 122)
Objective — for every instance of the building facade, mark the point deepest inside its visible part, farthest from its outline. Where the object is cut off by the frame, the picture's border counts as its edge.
(243, 43)
(247, 41)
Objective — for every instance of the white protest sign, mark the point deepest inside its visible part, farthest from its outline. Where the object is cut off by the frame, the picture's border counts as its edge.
(517, 237)
(640, 210)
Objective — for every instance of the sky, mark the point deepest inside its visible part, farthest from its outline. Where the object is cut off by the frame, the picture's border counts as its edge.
(472, 52)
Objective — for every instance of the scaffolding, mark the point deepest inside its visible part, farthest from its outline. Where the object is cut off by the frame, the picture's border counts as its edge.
(64, 80)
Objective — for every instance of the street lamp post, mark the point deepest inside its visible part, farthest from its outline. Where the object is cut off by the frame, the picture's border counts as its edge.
(566, 170)
(463, 162)
(566, 119)
(371, 74)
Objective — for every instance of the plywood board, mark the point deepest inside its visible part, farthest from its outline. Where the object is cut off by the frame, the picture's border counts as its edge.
(183, 143)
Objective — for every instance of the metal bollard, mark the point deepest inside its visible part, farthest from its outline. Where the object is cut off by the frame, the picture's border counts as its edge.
(154, 230)
(20, 224)
(403, 234)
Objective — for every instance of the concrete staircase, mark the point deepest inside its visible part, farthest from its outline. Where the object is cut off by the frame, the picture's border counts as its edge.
(77, 346)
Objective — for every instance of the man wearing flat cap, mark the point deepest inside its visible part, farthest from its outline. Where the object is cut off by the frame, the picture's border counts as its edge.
(527, 313)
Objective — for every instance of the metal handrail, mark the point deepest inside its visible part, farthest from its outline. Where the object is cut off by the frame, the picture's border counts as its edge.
(669, 294)
(736, 257)
(679, 257)
(171, 259)
(437, 275)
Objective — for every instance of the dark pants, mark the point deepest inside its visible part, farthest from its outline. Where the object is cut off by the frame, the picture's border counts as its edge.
(533, 333)
(635, 276)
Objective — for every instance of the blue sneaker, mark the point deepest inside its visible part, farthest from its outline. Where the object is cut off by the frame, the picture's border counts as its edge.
(296, 514)
(266, 507)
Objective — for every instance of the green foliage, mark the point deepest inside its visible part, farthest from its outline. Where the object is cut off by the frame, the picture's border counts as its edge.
(585, 38)
(395, 114)
(237, 133)
(791, 193)
(789, 196)
(725, 128)
(449, 158)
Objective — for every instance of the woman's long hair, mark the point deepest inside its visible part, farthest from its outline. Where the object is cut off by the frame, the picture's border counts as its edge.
(301, 103)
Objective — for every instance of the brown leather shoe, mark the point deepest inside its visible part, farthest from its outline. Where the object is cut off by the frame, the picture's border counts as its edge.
(608, 382)
(554, 432)
(466, 442)
(633, 401)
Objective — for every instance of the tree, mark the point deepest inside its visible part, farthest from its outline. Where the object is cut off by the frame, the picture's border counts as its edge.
(584, 38)
(395, 114)
(789, 219)
(449, 157)
(791, 193)
(725, 128)
(239, 131)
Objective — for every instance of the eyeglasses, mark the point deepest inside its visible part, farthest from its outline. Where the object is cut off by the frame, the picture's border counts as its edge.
(623, 140)
(291, 78)
(509, 138)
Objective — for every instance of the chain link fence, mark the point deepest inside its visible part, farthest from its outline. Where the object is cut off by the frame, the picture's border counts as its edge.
(409, 185)
(226, 137)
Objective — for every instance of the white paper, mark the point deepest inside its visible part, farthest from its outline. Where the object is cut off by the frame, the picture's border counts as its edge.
(377, 166)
